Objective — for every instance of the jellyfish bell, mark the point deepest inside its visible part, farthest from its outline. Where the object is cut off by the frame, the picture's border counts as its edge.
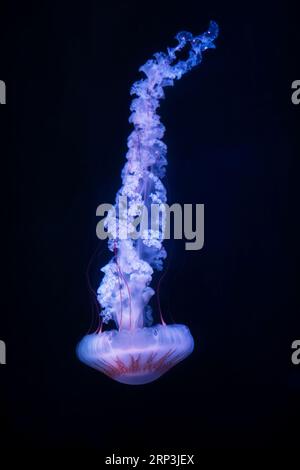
(136, 356)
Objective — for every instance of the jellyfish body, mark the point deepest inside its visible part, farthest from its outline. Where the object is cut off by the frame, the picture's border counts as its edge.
(136, 352)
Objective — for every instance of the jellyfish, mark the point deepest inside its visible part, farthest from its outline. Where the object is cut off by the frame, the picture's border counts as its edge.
(135, 351)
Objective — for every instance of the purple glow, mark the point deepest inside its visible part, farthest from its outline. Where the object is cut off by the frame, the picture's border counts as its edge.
(135, 352)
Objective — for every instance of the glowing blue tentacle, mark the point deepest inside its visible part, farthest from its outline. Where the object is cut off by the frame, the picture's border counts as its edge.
(124, 291)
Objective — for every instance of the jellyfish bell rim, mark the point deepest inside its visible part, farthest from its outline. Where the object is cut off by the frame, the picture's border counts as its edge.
(136, 356)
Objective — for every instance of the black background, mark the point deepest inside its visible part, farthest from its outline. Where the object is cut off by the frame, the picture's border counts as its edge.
(232, 145)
